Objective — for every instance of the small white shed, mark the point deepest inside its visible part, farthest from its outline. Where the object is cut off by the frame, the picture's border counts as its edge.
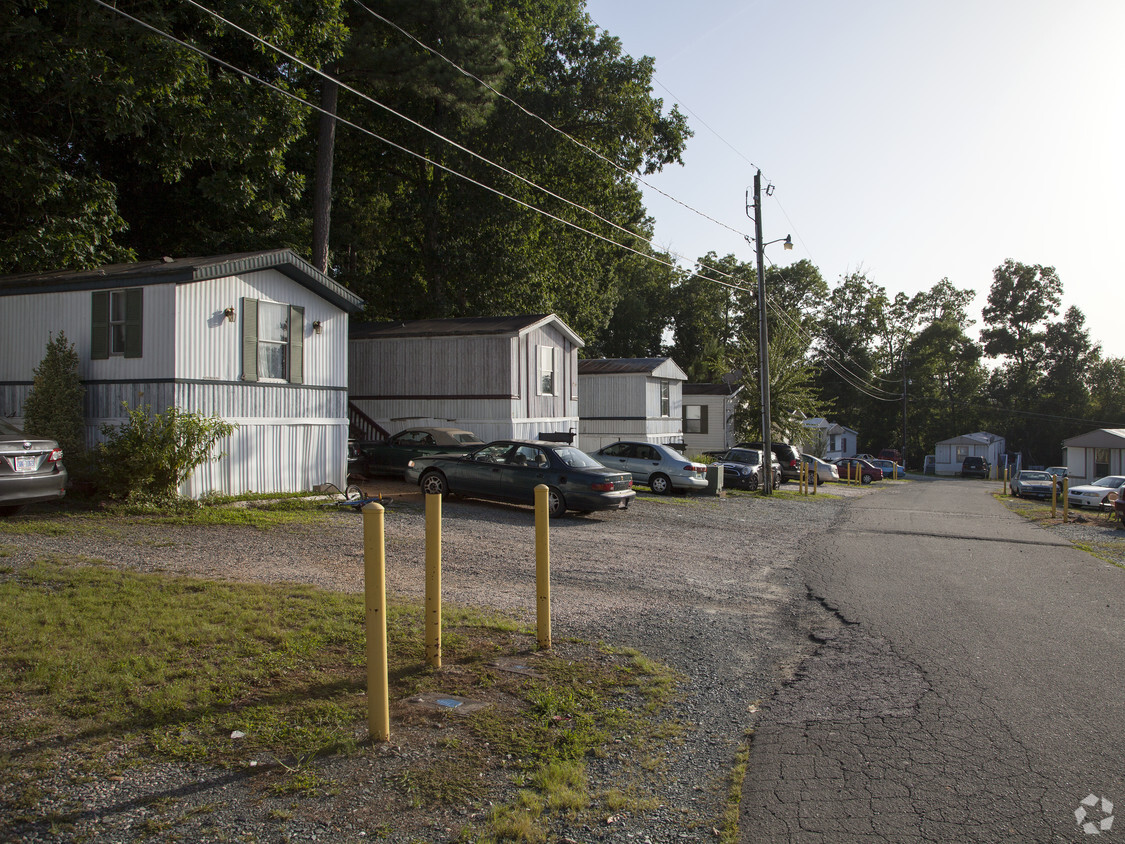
(630, 399)
(708, 416)
(259, 339)
(829, 440)
(1095, 454)
(951, 453)
(499, 377)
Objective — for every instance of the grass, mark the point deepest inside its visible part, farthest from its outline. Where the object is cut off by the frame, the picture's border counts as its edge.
(118, 669)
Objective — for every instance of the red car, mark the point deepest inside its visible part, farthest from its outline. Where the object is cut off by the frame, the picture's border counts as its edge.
(851, 468)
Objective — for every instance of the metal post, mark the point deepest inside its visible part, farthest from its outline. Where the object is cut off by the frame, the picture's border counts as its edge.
(543, 567)
(433, 581)
(763, 337)
(375, 604)
(1066, 500)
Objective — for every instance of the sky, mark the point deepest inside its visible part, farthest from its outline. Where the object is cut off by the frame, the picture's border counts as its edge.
(909, 141)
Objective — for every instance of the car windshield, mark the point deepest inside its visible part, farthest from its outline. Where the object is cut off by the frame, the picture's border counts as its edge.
(1113, 481)
(1034, 476)
(576, 459)
(739, 455)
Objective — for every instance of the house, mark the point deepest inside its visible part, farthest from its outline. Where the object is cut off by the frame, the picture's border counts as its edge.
(708, 416)
(1094, 455)
(951, 453)
(829, 440)
(259, 339)
(499, 377)
(630, 399)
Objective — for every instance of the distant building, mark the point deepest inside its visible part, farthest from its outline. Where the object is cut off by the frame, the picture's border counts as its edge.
(828, 440)
(951, 453)
(630, 399)
(708, 416)
(1095, 454)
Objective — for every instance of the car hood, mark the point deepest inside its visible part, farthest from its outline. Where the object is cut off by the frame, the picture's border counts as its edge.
(1090, 489)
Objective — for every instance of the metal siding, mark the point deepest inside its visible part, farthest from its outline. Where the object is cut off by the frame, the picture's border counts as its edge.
(209, 347)
(411, 366)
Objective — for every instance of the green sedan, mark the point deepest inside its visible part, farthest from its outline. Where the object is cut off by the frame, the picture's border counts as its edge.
(389, 457)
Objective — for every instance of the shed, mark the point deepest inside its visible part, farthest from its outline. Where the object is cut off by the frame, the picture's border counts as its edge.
(499, 377)
(708, 416)
(829, 440)
(951, 453)
(1095, 454)
(259, 339)
(630, 399)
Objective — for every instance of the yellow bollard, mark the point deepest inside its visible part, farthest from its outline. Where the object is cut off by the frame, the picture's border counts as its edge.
(433, 581)
(1066, 501)
(1054, 496)
(543, 567)
(815, 481)
(375, 604)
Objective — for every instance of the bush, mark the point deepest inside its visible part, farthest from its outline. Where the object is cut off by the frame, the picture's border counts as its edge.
(54, 407)
(151, 455)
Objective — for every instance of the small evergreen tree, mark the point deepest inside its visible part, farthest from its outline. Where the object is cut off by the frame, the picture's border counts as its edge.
(54, 407)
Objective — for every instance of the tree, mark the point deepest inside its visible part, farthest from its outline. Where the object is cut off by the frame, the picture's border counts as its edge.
(54, 406)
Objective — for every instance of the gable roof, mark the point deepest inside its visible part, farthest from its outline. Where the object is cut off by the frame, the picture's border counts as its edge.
(979, 438)
(662, 367)
(510, 326)
(182, 271)
(1101, 438)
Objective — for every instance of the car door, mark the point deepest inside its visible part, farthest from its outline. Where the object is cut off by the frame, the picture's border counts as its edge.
(482, 472)
(643, 461)
(527, 466)
(620, 456)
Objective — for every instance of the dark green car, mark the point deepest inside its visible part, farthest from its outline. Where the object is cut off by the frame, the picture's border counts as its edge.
(390, 456)
(509, 470)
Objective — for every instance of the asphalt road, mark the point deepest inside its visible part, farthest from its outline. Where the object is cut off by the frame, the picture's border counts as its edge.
(971, 688)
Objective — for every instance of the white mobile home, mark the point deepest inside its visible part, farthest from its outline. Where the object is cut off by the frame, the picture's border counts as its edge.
(829, 441)
(951, 453)
(708, 416)
(1095, 454)
(499, 377)
(630, 399)
(259, 339)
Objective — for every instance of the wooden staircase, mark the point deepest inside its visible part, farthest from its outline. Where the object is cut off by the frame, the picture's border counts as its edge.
(363, 427)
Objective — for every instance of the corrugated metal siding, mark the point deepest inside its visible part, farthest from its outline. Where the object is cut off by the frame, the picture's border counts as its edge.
(209, 347)
(430, 366)
(718, 431)
(27, 323)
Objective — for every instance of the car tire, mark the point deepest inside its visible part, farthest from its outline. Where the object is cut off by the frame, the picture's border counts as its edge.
(433, 482)
(660, 485)
(752, 484)
(865, 479)
(10, 509)
(556, 503)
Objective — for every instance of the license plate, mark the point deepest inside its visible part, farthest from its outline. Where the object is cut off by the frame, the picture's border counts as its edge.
(27, 463)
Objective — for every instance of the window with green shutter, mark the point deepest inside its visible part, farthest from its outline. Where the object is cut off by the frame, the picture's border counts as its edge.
(117, 323)
(272, 342)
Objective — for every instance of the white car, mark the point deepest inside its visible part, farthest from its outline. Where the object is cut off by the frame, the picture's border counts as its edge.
(825, 471)
(1097, 493)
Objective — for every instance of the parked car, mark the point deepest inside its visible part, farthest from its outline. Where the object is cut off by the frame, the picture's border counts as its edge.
(509, 470)
(1029, 483)
(660, 466)
(853, 468)
(31, 469)
(1059, 472)
(976, 467)
(1097, 493)
(390, 456)
(889, 468)
(787, 455)
(824, 470)
(742, 468)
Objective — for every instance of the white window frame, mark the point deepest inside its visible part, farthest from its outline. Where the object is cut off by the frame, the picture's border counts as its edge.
(264, 344)
(693, 424)
(547, 366)
(665, 399)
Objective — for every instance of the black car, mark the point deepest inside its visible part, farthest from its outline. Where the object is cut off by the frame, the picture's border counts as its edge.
(742, 468)
(976, 467)
(509, 470)
(787, 455)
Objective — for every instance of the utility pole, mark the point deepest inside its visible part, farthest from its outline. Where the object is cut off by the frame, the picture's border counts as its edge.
(763, 339)
(904, 408)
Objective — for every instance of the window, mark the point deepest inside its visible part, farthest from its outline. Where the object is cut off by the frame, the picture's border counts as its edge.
(272, 341)
(665, 398)
(1101, 462)
(116, 323)
(547, 373)
(695, 419)
(962, 453)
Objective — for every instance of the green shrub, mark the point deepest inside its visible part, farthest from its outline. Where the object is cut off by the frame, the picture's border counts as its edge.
(152, 454)
(54, 407)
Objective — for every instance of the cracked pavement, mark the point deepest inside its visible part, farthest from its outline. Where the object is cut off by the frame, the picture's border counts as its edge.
(967, 686)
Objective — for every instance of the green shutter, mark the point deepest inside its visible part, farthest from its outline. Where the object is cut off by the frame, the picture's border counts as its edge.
(99, 326)
(296, 345)
(703, 418)
(134, 309)
(249, 339)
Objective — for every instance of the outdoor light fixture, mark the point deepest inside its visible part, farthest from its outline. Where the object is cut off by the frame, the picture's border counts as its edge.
(316, 327)
(229, 314)
(788, 243)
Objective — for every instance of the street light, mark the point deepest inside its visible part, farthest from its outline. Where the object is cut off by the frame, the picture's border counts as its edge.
(763, 338)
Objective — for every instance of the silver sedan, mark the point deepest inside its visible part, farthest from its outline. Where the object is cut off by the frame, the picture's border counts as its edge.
(659, 466)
